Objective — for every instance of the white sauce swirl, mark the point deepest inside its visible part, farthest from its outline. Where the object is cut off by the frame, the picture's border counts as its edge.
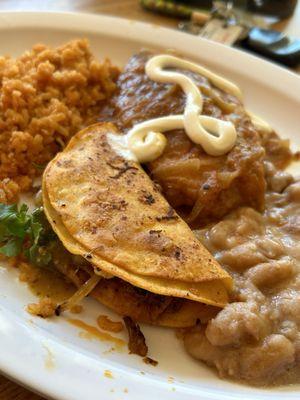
(145, 141)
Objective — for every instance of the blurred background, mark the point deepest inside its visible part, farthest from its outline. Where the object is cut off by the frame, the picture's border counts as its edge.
(270, 28)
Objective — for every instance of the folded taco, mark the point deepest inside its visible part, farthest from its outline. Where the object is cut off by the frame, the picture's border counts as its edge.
(106, 209)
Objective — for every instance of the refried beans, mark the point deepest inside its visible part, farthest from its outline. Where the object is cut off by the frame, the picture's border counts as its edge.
(256, 337)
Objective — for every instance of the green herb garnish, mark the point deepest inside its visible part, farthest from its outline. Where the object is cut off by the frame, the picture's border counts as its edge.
(39, 167)
(22, 233)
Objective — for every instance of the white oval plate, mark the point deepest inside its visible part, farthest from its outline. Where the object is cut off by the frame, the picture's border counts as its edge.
(48, 355)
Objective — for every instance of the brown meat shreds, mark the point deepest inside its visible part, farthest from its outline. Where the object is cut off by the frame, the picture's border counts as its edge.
(136, 343)
(150, 361)
(199, 186)
(44, 308)
(46, 95)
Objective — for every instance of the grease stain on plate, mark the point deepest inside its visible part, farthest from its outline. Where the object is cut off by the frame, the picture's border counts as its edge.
(91, 332)
(45, 283)
(110, 351)
(106, 324)
(108, 374)
(49, 359)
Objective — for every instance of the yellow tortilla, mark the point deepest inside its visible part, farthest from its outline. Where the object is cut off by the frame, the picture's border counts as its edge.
(108, 210)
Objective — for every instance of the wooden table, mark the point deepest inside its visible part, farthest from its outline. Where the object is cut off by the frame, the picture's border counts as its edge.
(121, 8)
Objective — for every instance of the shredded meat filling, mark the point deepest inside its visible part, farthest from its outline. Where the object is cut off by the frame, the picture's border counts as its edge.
(136, 343)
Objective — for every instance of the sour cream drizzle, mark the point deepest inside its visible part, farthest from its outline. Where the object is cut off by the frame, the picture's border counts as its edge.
(145, 141)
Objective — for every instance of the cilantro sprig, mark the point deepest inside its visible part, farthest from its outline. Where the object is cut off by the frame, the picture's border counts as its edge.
(29, 234)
